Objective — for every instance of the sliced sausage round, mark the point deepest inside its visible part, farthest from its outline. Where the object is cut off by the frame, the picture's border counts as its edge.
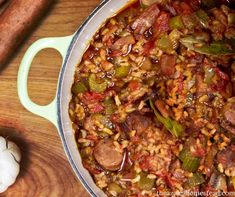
(226, 158)
(229, 111)
(138, 122)
(107, 156)
(228, 121)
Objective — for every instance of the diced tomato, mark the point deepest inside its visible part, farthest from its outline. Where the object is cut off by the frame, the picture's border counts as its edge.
(182, 8)
(148, 47)
(89, 54)
(221, 74)
(222, 85)
(162, 24)
(109, 42)
(134, 85)
(145, 163)
(135, 139)
(92, 137)
(194, 4)
(92, 169)
(231, 188)
(167, 64)
(148, 163)
(136, 156)
(116, 53)
(187, 10)
(93, 101)
(199, 152)
(129, 175)
(96, 108)
(91, 97)
(168, 180)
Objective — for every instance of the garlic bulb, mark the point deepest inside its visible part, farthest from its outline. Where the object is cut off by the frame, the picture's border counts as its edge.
(10, 157)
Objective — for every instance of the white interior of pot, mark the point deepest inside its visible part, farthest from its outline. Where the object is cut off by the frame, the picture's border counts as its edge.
(80, 45)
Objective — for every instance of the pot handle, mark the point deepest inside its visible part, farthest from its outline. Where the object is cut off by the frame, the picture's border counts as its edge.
(49, 111)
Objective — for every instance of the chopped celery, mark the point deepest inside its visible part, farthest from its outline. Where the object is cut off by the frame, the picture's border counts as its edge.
(189, 42)
(146, 3)
(114, 187)
(175, 128)
(109, 109)
(122, 71)
(175, 36)
(78, 87)
(165, 43)
(109, 106)
(102, 134)
(109, 101)
(214, 48)
(190, 162)
(203, 17)
(95, 85)
(195, 180)
(209, 74)
(104, 120)
(176, 23)
(145, 183)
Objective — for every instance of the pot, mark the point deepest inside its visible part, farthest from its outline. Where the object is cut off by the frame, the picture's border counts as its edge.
(71, 49)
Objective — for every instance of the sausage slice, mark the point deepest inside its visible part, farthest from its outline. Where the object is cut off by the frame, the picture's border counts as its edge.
(226, 157)
(16, 23)
(229, 111)
(138, 122)
(107, 156)
(228, 121)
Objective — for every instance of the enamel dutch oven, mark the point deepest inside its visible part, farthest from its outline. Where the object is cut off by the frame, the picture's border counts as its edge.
(71, 49)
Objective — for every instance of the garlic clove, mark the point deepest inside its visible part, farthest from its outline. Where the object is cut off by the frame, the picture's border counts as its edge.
(3, 188)
(14, 150)
(10, 168)
(10, 157)
(3, 144)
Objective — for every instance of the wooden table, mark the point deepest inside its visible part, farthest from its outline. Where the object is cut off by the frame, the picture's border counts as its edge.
(45, 171)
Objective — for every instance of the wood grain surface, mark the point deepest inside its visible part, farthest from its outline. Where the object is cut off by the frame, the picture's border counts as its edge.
(45, 171)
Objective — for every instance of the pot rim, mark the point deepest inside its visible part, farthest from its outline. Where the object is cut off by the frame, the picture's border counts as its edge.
(59, 94)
